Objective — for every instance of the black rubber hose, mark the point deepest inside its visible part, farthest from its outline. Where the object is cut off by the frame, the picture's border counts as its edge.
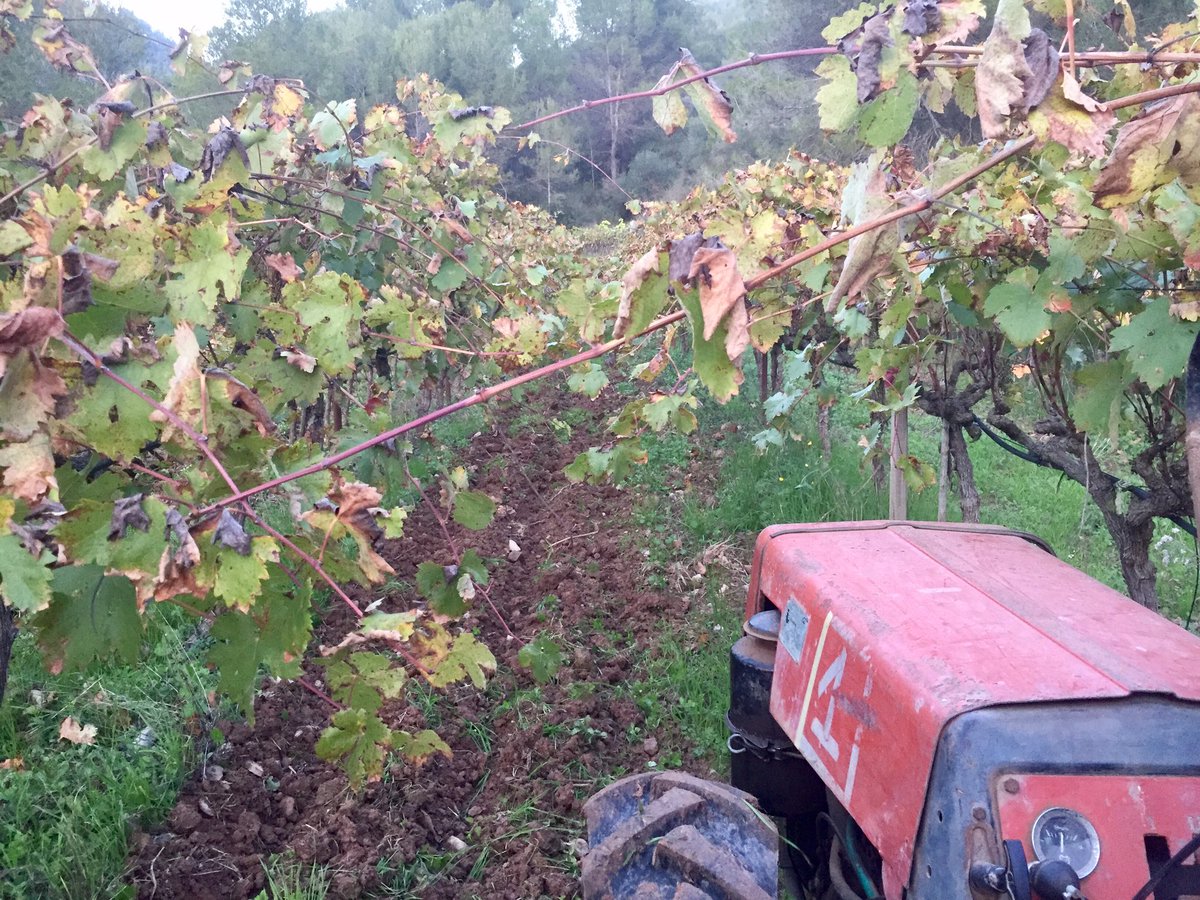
(1172, 864)
(1021, 453)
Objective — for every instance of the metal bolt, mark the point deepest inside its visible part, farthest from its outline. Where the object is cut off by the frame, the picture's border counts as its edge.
(1011, 786)
(978, 813)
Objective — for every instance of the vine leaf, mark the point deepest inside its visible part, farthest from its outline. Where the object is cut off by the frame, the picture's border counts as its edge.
(1016, 70)
(94, 617)
(357, 739)
(420, 746)
(1156, 342)
(364, 680)
(1063, 119)
(464, 658)
(710, 358)
(871, 254)
(273, 633)
(589, 381)
(668, 110)
(29, 468)
(441, 591)
(1151, 149)
(1020, 313)
(24, 581)
(633, 297)
(711, 102)
(474, 509)
(29, 393)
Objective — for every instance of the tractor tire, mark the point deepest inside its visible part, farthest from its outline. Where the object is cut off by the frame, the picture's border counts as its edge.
(671, 836)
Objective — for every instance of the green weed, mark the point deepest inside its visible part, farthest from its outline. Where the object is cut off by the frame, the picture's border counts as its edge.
(67, 810)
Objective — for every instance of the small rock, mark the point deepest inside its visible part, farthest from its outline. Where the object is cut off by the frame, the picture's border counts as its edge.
(205, 808)
(578, 847)
(287, 806)
(213, 773)
(254, 769)
(650, 745)
(457, 844)
(514, 550)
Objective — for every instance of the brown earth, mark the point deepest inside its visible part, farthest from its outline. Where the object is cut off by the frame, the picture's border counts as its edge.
(501, 818)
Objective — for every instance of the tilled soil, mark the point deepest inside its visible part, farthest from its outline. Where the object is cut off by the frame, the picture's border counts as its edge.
(501, 818)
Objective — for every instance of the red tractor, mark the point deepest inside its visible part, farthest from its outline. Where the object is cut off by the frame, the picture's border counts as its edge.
(936, 712)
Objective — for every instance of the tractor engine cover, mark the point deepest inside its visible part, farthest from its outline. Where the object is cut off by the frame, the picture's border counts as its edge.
(953, 684)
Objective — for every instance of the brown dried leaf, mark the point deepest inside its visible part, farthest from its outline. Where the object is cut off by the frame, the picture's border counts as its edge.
(1140, 158)
(285, 265)
(715, 270)
(243, 397)
(682, 251)
(864, 48)
(1018, 67)
(128, 513)
(230, 533)
(300, 360)
(72, 731)
(1073, 91)
(223, 143)
(921, 17)
(27, 330)
(183, 393)
(29, 468)
(871, 254)
(632, 280)
(737, 339)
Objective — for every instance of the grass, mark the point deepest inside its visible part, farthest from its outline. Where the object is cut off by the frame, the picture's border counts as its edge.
(67, 810)
(289, 879)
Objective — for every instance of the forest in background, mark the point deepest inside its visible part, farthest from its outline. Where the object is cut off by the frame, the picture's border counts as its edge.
(533, 57)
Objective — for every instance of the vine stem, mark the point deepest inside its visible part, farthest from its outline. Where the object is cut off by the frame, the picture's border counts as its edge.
(480, 396)
(1013, 149)
(1090, 58)
(317, 692)
(599, 350)
(754, 59)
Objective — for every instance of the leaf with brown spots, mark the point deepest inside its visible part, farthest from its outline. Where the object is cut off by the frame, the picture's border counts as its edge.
(715, 271)
(1151, 149)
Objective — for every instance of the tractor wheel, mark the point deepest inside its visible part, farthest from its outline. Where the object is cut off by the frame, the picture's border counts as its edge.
(671, 836)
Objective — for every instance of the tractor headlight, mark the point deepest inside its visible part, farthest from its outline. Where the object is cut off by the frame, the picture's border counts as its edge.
(1061, 833)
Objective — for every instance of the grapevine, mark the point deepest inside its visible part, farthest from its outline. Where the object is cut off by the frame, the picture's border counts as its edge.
(215, 341)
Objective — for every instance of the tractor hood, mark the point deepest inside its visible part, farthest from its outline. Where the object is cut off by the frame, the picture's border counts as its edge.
(890, 630)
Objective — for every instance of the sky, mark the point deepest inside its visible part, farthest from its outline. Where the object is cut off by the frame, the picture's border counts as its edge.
(168, 16)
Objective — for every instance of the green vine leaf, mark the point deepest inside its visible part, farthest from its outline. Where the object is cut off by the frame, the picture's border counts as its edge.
(1157, 343)
(24, 581)
(94, 618)
(358, 740)
(474, 510)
